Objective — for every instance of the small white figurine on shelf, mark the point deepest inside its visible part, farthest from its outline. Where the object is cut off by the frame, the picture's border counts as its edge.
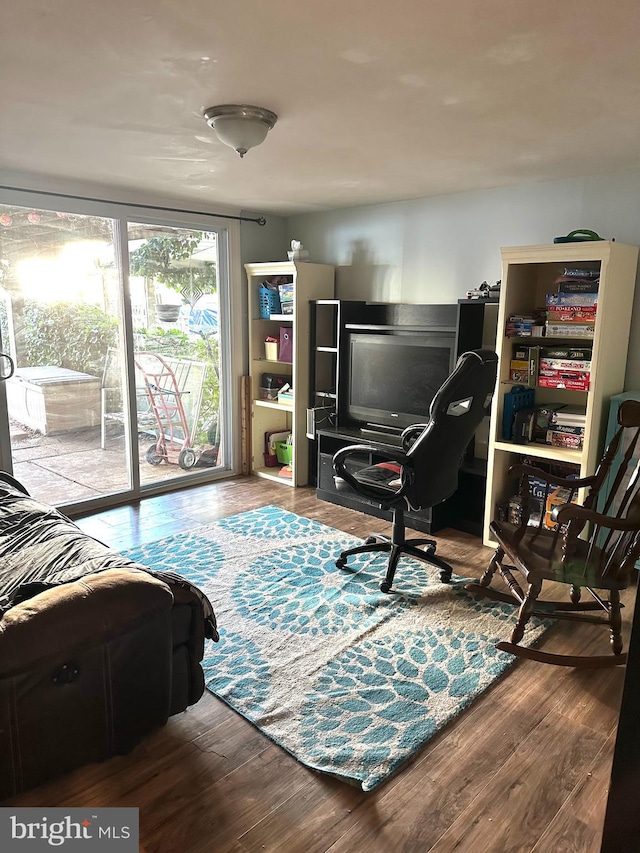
(297, 253)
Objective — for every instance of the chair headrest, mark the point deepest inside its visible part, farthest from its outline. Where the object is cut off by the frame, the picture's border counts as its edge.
(457, 393)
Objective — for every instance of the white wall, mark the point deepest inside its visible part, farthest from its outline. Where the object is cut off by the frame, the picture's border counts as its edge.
(266, 242)
(434, 249)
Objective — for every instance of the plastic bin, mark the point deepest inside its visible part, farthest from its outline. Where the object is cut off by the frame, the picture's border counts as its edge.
(268, 393)
(269, 301)
(284, 452)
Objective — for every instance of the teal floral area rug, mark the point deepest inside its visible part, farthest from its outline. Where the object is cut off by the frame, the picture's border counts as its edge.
(350, 680)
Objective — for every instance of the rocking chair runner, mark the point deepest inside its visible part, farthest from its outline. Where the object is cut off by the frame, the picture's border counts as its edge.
(594, 546)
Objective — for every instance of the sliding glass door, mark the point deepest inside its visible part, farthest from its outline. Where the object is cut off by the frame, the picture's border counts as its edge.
(114, 326)
(174, 304)
(59, 317)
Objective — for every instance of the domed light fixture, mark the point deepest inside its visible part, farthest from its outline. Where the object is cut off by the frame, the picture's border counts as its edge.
(241, 126)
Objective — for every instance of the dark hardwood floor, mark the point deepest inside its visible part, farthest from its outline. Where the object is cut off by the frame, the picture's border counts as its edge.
(525, 768)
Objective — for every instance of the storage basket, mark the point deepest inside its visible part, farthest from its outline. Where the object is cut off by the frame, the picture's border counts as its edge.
(269, 301)
(284, 452)
(270, 460)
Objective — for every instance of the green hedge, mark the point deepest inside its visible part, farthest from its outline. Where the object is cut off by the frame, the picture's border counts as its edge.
(66, 334)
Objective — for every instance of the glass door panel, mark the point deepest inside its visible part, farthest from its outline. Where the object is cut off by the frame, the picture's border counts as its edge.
(173, 279)
(60, 322)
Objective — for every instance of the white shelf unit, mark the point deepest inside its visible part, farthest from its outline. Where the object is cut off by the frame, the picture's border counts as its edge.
(310, 281)
(528, 274)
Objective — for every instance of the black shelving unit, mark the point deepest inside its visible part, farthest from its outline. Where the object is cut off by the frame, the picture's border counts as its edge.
(475, 325)
(329, 318)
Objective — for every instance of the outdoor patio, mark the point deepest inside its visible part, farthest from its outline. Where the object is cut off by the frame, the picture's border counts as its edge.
(72, 466)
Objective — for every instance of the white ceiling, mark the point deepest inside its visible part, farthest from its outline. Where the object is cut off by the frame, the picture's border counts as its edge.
(377, 101)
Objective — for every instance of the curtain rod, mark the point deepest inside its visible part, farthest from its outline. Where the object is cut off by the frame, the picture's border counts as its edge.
(260, 220)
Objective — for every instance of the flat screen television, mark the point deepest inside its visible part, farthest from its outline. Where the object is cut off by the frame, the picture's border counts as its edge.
(392, 378)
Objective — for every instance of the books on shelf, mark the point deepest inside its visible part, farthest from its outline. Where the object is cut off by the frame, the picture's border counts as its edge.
(572, 314)
(571, 300)
(537, 424)
(565, 435)
(589, 275)
(572, 322)
(526, 325)
(523, 367)
(569, 330)
(564, 373)
(540, 508)
(542, 420)
(519, 372)
(570, 440)
(582, 353)
(569, 312)
(577, 364)
(570, 415)
(578, 280)
(523, 328)
(556, 368)
(572, 429)
(576, 285)
(564, 382)
(544, 497)
(567, 427)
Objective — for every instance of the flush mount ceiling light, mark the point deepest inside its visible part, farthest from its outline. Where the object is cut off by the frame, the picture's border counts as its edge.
(241, 126)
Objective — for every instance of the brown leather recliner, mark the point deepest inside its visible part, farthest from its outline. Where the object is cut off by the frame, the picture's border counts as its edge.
(95, 650)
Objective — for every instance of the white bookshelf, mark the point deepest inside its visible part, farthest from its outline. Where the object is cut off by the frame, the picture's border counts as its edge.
(310, 281)
(528, 274)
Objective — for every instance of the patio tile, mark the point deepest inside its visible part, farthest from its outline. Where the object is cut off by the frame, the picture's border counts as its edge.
(51, 489)
(72, 466)
(102, 469)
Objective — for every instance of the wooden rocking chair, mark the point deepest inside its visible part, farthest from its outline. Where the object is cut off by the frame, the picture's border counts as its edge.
(594, 546)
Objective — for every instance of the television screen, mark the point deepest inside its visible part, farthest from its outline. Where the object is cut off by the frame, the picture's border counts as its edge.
(392, 379)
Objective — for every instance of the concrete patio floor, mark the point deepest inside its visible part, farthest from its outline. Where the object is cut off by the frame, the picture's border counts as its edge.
(72, 466)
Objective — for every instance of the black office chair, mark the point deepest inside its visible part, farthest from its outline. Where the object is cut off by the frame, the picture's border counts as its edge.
(425, 471)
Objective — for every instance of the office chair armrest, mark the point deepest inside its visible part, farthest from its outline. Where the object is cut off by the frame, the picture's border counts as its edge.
(410, 434)
(550, 479)
(388, 454)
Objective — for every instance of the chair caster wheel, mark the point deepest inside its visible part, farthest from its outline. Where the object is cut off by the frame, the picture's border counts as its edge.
(445, 576)
(341, 563)
(385, 587)
(370, 540)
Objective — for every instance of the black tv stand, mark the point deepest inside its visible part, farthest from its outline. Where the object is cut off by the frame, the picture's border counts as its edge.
(335, 438)
(476, 326)
(381, 433)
